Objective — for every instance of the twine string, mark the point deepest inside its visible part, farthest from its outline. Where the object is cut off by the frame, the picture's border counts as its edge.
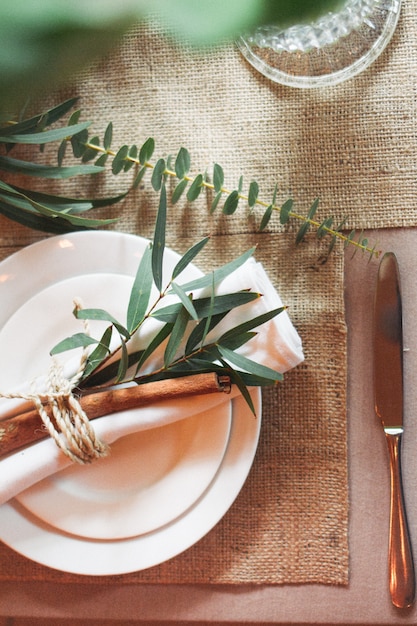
(70, 427)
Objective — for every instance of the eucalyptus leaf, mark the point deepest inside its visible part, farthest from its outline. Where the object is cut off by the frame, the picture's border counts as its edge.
(248, 325)
(218, 178)
(119, 160)
(140, 293)
(205, 306)
(215, 202)
(90, 153)
(101, 315)
(158, 247)
(78, 142)
(182, 163)
(157, 340)
(141, 173)
(248, 365)
(146, 151)
(45, 136)
(29, 125)
(123, 363)
(253, 193)
(220, 273)
(79, 340)
(188, 257)
(231, 203)
(200, 331)
(108, 136)
(266, 217)
(185, 300)
(158, 174)
(195, 188)
(9, 164)
(179, 190)
(99, 354)
(176, 336)
(285, 211)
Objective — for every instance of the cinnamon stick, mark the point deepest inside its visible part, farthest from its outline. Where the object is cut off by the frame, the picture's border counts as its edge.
(26, 428)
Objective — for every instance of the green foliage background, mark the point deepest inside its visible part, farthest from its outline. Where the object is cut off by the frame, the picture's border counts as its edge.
(44, 41)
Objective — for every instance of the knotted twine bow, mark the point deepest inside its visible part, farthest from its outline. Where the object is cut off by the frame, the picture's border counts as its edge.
(70, 429)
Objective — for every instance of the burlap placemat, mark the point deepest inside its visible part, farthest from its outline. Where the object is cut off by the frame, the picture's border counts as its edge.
(351, 145)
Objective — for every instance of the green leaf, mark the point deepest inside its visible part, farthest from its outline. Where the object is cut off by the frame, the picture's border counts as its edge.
(158, 174)
(146, 151)
(101, 315)
(45, 136)
(250, 324)
(302, 231)
(199, 332)
(25, 204)
(153, 345)
(90, 152)
(215, 202)
(218, 177)
(253, 193)
(179, 190)
(79, 340)
(195, 188)
(139, 177)
(108, 136)
(61, 152)
(186, 301)
(78, 142)
(248, 364)
(326, 223)
(123, 363)
(99, 354)
(18, 166)
(131, 158)
(119, 160)
(188, 257)
(285, 211)
(102, 160)
(51, 116)
(141, 291)
(266, 217)
(238, 380)
(220, 273)
(158, 247)
(176, 336)
(204, 307)
(182, 163)
(231, 203)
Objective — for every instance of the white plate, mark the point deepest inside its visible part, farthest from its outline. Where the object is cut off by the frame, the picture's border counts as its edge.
(150, 477)
(25, 275)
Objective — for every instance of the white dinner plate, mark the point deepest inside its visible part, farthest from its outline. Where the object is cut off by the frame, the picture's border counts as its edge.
(150, 477)
(81, 532)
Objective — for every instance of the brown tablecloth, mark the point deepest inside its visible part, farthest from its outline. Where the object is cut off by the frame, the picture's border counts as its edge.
(351, 145)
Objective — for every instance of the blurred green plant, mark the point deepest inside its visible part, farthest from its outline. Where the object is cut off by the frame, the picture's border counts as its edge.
(43, 42)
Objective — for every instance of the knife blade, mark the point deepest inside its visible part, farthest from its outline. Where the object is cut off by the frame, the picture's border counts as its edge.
(389, 405)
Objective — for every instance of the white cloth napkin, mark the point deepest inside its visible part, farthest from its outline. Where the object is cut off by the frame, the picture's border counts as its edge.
(277, 345)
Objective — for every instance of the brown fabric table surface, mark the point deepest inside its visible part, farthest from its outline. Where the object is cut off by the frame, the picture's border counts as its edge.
(352, 146)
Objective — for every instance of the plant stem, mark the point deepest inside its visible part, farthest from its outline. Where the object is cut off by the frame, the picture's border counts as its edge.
(337, 234)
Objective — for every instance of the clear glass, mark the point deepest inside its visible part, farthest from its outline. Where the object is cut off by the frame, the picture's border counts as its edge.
(326, 52)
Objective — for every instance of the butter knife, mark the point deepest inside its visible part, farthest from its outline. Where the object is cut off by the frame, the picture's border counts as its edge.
(388, 387)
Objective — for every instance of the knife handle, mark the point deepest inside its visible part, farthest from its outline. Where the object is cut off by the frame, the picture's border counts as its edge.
(401, 567)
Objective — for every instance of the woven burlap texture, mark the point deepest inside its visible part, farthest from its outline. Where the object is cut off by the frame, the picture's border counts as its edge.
(351, 145)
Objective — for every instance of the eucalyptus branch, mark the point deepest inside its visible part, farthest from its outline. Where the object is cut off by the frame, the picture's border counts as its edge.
(185, 325)
(58, 214)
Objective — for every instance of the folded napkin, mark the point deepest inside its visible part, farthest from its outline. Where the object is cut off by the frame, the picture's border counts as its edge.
(276, 345)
